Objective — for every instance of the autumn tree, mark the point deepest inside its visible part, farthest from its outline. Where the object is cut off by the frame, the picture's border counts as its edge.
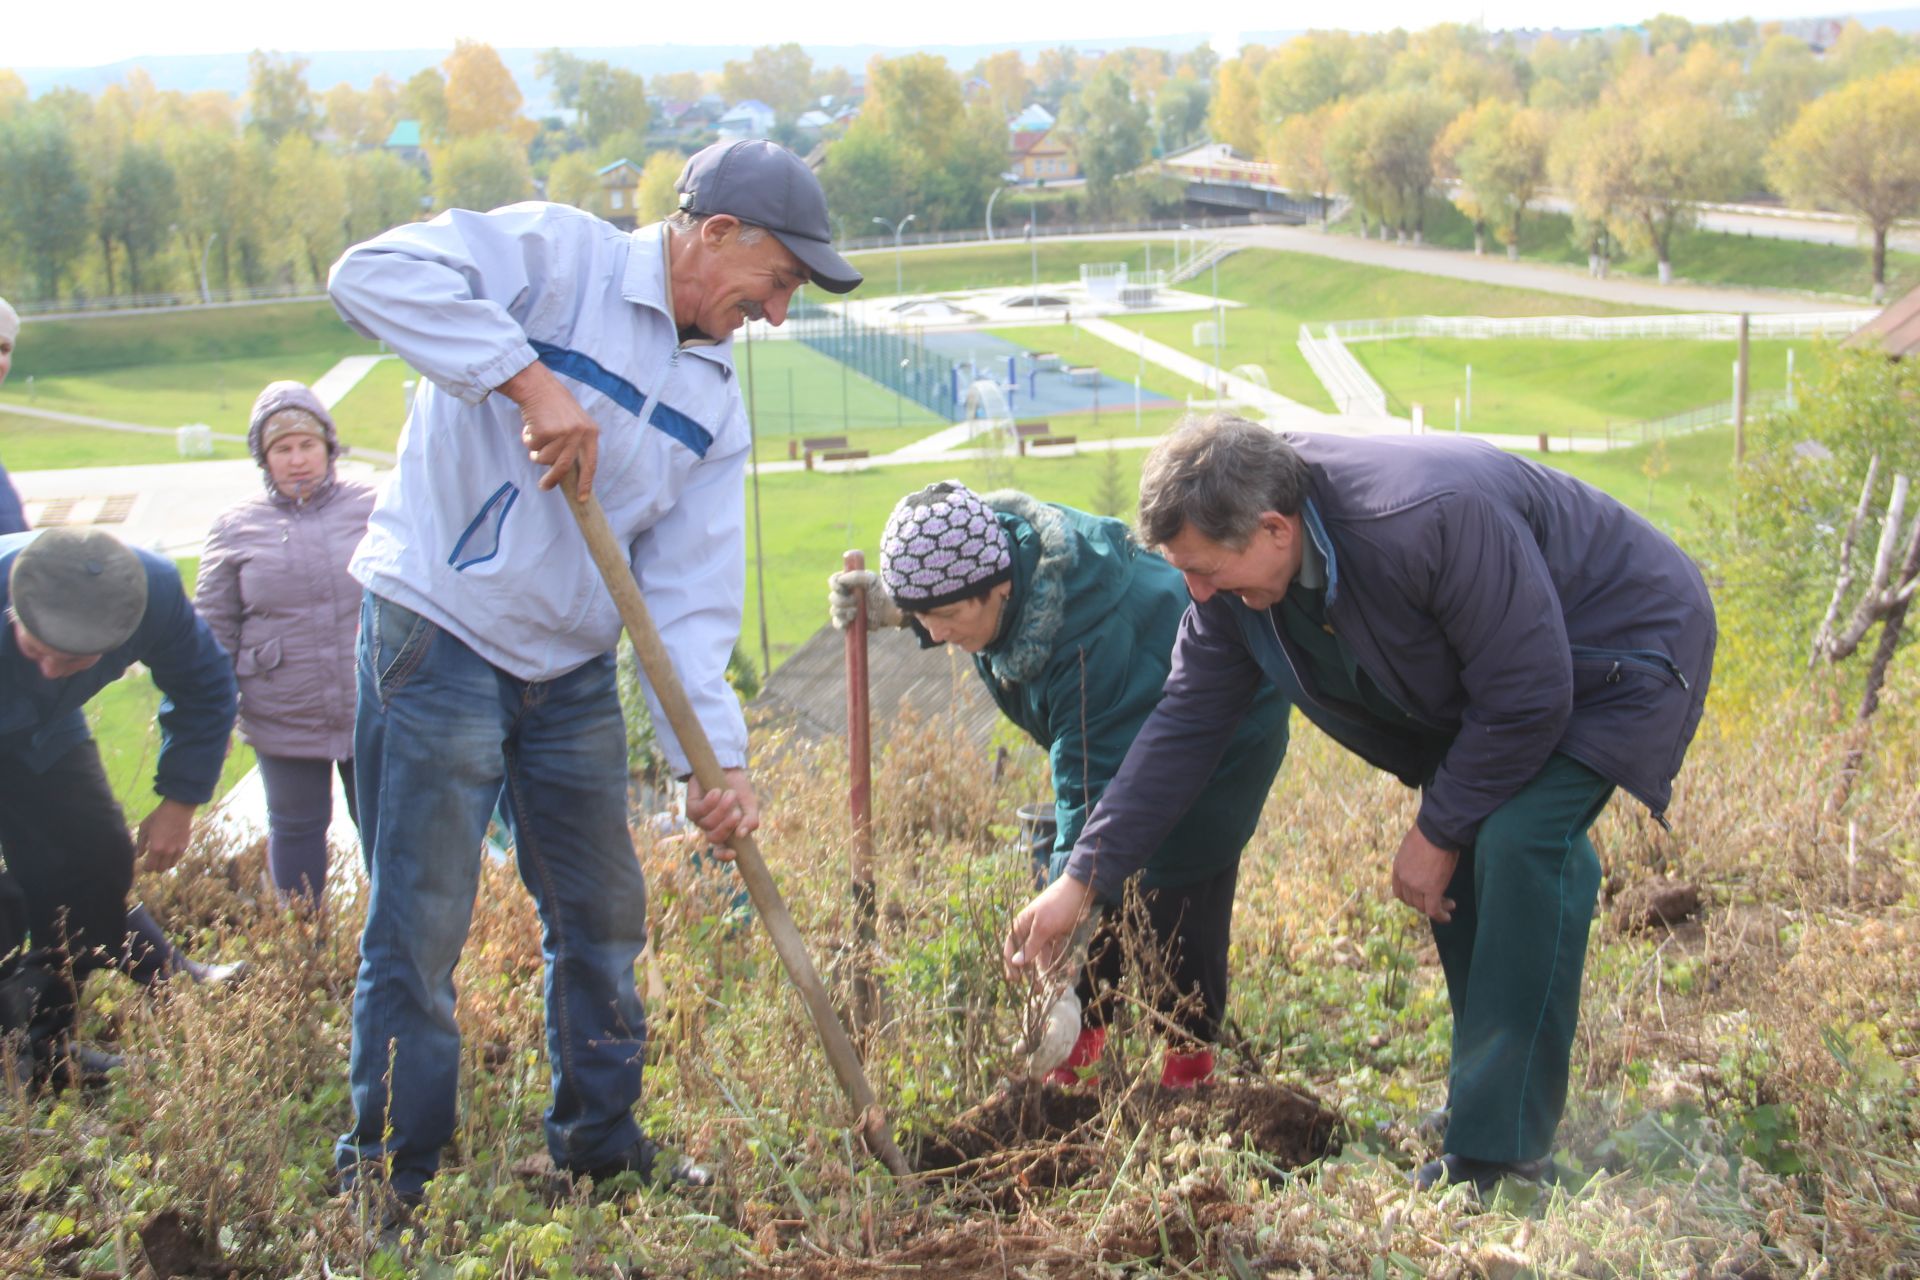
(481, 172)
(1591, 160)
(1381, 152)
(482, 97)
(423, 99)
(1006, 77)
(1298, 148)
(1565, 76)
(656, 196)
(1056, 74)
(1310, 71)
(779, 75)
(1110, 135)
(13, 93)
(1180, 112)
(362, 119)
(1858, 149)
(1786, 76)
(43, 196)
(676, 86)
(206, 168)
(916, 148)
(574, 179)
(308, 203)
(1234, 115)
(1499, 154)
(279, 102)
(382, 192)
(1862, 53)
(607, 99)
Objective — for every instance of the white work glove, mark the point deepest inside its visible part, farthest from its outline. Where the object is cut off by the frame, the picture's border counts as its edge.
(842, 598)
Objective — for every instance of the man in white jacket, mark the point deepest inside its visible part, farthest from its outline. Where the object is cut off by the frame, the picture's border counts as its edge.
(549, 339)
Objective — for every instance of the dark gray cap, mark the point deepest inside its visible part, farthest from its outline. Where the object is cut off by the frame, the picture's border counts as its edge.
(80, 591)
(763, 183)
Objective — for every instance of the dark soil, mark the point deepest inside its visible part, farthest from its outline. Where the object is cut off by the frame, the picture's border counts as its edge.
(1040, 1136)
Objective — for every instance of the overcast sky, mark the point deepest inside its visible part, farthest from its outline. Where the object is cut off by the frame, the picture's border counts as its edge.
(41, 33)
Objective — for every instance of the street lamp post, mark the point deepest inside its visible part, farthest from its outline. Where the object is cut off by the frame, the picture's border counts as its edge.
(898, 227)
(206, 295)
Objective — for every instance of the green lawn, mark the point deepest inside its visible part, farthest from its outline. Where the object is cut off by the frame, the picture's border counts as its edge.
(1705, 257)
(219, 393)
(370, 415)
(122, 718)
(311, 331)
(1284, 290)
(31, 444)
(1529, 385)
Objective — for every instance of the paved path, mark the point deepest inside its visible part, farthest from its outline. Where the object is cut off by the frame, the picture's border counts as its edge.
(1276, 408)
(333, 385)
(1458, 264)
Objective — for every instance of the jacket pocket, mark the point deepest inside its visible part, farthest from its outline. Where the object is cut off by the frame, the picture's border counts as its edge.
(401, 639)
(1599, 667)
(254, 659)
(480, 540)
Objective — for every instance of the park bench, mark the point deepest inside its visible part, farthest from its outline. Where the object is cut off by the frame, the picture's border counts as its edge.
(1084, 375)
(1044, 359)
(1039, 434)
(834, 455)
(811, 445)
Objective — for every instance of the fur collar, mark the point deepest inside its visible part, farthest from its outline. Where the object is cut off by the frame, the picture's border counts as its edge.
(1023, 653)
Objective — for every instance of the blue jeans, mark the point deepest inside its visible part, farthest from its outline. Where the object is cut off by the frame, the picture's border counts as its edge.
(440, 734)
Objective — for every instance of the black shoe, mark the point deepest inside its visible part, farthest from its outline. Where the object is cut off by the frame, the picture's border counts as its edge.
(1483, 1175)
(647, 1159)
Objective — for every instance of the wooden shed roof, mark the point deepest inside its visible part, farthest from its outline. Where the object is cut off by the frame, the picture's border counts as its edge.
(1895, 330)
(810, 688)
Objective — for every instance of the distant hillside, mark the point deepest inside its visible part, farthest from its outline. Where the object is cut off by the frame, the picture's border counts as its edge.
(227, 72)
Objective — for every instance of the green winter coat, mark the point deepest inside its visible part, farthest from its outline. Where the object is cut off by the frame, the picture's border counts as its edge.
(1078, 663)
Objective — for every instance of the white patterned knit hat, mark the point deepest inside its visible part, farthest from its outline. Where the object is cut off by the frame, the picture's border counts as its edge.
(942, 544)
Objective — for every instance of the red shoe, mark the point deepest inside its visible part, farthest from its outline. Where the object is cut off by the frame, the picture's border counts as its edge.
(1086, 1052)
(1187, 1070)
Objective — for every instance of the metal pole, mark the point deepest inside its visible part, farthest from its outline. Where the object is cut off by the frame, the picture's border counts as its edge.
(759, 540)
(860, 802)
(206, 295)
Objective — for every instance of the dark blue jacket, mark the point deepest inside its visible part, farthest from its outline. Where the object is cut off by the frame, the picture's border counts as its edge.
(1508, 609)
(40, 720)
(13, 517)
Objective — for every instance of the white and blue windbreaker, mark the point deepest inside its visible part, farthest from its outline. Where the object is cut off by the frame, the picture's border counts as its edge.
(465, 537)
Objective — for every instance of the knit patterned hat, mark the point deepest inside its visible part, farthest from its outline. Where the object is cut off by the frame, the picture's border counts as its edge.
(942, 544)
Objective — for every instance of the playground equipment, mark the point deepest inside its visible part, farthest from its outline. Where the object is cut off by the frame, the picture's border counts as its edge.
(987, 411)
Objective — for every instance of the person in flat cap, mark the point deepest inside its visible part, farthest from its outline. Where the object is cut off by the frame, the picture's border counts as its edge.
(557, 349)
(275, 591)
(81, 608)
(1071, 625)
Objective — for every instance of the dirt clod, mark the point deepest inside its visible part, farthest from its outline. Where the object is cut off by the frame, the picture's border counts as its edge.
(1654, 904)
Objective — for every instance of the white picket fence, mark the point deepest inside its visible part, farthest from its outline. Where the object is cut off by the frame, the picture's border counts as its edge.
(1347, 381)
(1707, 326)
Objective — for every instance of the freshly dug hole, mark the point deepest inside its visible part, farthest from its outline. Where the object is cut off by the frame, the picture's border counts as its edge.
(1050, 1137)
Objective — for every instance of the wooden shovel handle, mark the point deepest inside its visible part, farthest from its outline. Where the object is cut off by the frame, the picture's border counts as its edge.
(767, 902)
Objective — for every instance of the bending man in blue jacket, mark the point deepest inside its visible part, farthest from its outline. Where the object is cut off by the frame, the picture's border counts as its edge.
(82, 608)
(549, 339)
(1508, 640)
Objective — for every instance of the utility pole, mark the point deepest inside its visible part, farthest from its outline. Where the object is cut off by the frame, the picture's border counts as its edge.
(898, 227)
(1740, 395)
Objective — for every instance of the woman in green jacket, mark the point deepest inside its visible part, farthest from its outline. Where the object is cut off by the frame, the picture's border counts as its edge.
(1071, 624)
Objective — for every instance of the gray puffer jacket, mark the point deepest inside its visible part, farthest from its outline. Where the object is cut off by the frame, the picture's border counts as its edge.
(275, 592)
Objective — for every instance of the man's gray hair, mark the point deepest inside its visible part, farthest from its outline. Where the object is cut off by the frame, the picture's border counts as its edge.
(683, 221)
(1218, 472)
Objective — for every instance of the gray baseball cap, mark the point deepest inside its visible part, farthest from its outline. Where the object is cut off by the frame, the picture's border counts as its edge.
(80, 591)
(763, 183)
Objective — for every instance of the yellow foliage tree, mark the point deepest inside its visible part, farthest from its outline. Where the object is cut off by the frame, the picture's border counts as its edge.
(1857, 149)
(1234, 117)
(655, 197)
(482, 96)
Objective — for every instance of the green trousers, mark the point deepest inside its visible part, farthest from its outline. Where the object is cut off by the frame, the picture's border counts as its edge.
(1513, 955)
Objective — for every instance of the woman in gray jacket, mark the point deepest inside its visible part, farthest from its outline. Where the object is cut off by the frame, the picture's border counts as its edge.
(275, 592)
